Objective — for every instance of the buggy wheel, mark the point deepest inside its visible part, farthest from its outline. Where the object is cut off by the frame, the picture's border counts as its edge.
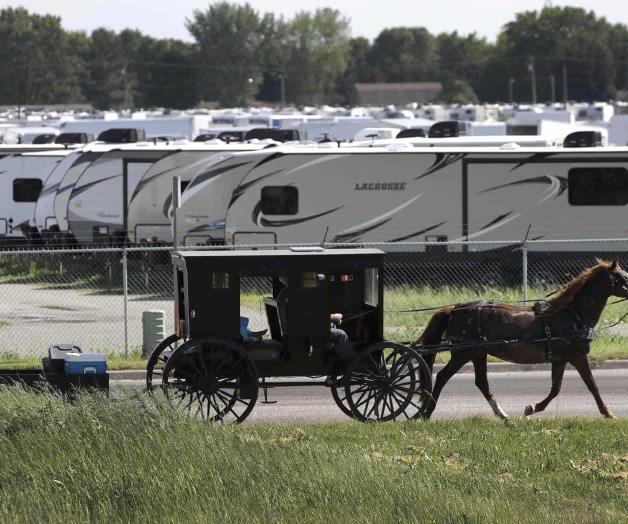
(157, 361)
(213, 379)
(387, 381)
(339, 394)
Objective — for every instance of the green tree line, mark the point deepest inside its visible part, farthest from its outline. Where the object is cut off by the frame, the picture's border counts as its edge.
(238, 54)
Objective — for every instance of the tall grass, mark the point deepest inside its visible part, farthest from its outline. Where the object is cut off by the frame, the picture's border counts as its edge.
(134, 461)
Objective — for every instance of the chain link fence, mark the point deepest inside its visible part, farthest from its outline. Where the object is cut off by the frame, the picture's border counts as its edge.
(95, 297)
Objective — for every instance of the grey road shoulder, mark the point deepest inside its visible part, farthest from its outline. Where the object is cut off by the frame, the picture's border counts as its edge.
(493, 367)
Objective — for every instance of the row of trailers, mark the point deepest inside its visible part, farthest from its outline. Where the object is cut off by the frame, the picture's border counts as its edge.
(443, 190)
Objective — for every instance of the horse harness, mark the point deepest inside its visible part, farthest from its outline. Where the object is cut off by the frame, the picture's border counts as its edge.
(471, 326)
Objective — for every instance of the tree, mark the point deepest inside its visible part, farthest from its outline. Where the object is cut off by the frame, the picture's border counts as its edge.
(228, 44)
(357, 70)
(404, 54)
(36, 64)
(318, 52)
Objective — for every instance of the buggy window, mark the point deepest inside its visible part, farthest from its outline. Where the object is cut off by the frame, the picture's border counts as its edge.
(220, 280)
(371, 289)
(26, 189)
(598, 186)
(280, 200)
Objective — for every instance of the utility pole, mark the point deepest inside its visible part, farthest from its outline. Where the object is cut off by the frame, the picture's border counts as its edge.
(553, 87)
(565, 98)
(511, 83)
(532, 78)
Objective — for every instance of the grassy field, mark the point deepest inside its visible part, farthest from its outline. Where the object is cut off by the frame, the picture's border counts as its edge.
(135, 461)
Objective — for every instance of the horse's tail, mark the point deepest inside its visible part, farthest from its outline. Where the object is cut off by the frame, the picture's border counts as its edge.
(434, 331)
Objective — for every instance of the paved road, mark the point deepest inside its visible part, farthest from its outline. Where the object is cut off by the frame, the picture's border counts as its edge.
(460, 397)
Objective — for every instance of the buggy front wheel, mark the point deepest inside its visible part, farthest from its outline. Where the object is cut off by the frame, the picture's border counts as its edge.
(387, 381)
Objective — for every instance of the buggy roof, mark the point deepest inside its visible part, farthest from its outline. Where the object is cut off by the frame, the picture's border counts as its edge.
(268, 260)
(276, 253)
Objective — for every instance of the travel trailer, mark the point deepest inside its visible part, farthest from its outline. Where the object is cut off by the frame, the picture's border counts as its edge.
(150, 208)
(45, 219)
(369, 195)
(21, 180)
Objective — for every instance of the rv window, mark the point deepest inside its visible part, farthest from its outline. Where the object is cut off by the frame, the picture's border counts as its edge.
(219, 280)
(26, 189)
(598, 186)
(280, 200)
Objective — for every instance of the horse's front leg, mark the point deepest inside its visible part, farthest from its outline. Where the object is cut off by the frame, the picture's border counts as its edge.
(558, 370)
(481, 381)
(581, 363)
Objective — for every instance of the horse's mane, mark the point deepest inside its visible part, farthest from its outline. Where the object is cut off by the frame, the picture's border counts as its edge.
(568, 293)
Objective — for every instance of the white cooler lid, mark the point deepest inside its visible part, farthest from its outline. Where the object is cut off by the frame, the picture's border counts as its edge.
(85, 357)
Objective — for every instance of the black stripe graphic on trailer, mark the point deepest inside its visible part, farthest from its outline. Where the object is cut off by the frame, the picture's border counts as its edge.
(536, 157)
(143, 183)
(49, 190)
(214, 173)
(411, 235)
(259, 220)
(239, 191)
(442, 160)
(269, 158)
(91, 184)
(496, 220)
(544, 179)
(355, 235)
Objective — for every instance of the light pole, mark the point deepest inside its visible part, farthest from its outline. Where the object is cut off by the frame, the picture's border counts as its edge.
(282, 79)
(565, 83)
(553, 87)
(511, 83)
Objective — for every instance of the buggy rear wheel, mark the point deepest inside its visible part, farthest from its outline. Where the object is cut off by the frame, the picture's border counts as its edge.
(387, 381)
(212, 378)
(157, 361)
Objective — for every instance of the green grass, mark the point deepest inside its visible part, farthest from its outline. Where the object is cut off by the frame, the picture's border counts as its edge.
(134, 461)
(115, 361)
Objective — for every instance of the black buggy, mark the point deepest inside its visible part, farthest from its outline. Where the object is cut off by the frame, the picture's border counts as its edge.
(213, 366)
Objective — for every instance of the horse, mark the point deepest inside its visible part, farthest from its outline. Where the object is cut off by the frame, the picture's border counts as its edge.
(557, 330)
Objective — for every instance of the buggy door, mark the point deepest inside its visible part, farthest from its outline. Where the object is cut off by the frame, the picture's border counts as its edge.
(308, 305)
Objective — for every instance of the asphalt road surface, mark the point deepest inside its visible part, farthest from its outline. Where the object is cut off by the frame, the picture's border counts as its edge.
(460, 398)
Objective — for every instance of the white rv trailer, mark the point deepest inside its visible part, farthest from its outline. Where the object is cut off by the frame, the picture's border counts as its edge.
(68, 181)
(21, 179)
(96, 209)
(375, 195)
(150, 210)
(177, 126)
(45, 219)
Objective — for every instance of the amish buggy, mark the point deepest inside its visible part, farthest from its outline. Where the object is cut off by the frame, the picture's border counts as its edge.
(214, 366)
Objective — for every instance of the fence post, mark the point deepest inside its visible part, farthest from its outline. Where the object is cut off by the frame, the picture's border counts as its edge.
(125, 291)
(524, 252)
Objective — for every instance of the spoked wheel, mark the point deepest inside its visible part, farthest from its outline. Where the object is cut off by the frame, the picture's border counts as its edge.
(340, 396)
(213, 379)
(387, 381)
(157, 361)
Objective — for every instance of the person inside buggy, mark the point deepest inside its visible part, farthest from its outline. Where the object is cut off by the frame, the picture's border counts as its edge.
(336, 334)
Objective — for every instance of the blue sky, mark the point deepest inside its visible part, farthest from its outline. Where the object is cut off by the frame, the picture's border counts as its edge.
(165, 18)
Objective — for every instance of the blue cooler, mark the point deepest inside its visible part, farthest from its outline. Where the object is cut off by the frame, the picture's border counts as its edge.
(85, 364)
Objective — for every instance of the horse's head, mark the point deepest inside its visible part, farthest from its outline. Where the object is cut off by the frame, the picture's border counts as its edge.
(618, 280)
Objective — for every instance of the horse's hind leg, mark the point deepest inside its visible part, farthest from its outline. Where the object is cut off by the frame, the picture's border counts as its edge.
(481, 381)
(458, 360)
(582, 365)
(558, 369)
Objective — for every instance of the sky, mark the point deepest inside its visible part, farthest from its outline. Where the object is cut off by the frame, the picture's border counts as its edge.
(166, 18)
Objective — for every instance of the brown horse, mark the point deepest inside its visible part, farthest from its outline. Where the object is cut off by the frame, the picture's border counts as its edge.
(558, 330)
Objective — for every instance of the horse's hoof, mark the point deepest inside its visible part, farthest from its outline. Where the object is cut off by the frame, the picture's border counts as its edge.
(610, 416)
(529, 410)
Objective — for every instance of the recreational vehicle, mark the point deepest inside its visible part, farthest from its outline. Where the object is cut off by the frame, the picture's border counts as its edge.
(375, 195)
(150, 210)
(21, 179)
